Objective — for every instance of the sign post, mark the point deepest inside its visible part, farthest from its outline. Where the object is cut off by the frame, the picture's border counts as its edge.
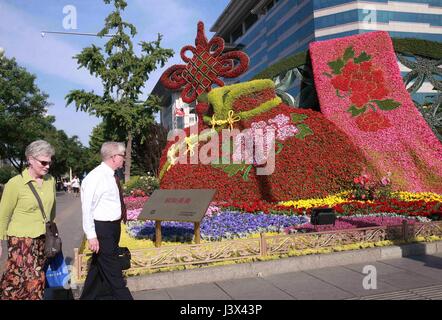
(177, 205)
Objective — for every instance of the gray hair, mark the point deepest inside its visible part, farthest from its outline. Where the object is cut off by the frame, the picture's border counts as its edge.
(111, 148)
(39, 148)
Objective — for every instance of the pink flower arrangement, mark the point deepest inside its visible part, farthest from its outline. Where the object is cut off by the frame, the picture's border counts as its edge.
(366, 97)
(367, 188)
(135, 202)
(133, 214)
(260, 132)
(343, 223)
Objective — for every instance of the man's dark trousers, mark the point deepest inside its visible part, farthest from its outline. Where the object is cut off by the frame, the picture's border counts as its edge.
(105, 278)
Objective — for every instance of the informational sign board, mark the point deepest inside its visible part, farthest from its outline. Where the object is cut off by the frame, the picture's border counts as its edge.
(177, 205)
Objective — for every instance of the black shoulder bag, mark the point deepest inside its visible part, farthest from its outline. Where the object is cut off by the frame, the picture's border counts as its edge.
(53, 240)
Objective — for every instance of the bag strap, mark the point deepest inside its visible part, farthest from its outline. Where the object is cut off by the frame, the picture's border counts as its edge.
(40, 204)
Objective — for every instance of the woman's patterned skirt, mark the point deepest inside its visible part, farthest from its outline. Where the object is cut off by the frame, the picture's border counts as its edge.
(24, 277)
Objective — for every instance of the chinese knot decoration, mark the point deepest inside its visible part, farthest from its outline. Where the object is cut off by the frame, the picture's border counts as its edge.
(204, 68)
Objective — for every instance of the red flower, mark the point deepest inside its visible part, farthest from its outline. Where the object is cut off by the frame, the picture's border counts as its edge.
(340, 82)
(359, 98)
(379, 93)
(372, 121)
(350, 68)
(364, 82)
(298, 173)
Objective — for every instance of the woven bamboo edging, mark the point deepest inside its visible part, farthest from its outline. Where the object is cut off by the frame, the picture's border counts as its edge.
(264, 246)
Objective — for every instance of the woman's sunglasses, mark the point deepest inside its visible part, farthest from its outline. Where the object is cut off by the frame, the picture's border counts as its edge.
(43, 163)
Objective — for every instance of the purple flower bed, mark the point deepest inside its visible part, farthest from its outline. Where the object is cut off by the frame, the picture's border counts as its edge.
(226, 225)
(351, 223)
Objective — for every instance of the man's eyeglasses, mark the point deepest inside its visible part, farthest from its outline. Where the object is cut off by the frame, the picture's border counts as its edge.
(121, 155)
(43, 163)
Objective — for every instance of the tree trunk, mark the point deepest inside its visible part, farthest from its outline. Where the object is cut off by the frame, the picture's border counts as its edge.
(128, 157)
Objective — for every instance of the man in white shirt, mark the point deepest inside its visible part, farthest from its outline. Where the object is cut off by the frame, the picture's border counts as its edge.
(102, 213)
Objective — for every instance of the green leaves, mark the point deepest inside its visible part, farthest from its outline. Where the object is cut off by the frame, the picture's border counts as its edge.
(355, 111)
(280, 146)
(336, 66)
(348, 54)
(123, 75)
(233, 169)
(362, 57)
(296, 117)
(304, 131)
(387, 105)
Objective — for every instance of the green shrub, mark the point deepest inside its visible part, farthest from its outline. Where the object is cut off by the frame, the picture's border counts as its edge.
(141, 186)
(6, 173)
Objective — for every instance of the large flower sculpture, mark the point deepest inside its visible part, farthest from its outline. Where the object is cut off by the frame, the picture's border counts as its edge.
(204, 68)
(360, 89)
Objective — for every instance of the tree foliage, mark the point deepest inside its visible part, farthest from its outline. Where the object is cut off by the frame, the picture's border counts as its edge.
(123, 75)
(23, 119)
(22, 111)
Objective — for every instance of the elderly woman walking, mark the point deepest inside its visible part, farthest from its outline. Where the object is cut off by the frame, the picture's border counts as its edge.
(23, 226)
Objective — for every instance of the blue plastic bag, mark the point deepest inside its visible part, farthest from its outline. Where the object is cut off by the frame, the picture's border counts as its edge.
(57, 274)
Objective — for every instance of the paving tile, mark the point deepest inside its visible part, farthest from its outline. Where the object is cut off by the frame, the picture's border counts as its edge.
(406, 280)
(423, 268)
(432, 261)
(201, 291)
(381, 268)
(303, 286)
(253, 289)
(160, 294)
(349, 280)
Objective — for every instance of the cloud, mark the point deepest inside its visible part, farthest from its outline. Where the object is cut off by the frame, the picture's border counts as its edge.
(20, 37)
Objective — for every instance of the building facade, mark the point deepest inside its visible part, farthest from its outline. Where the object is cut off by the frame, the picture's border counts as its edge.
(271, 30)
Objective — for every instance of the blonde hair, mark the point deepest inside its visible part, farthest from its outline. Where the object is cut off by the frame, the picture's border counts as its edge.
(39, 148)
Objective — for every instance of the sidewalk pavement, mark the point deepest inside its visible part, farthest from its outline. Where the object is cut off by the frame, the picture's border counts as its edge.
(407, 278)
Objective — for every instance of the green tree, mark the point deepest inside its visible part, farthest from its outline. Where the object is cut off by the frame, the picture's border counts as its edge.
(69, 153)
(148, 149)
(22, 112)
(123, 75)
(23, 119)
(100, 134)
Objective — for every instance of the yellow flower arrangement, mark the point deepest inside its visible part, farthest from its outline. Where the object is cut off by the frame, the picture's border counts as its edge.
(317, 202)
(416, 196)
(343, 197)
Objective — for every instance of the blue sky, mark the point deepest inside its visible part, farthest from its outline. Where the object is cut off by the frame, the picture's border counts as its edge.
(50, 57)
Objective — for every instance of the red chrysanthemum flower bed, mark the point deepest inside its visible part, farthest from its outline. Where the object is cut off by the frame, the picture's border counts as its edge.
(322, 163)
(249, 102)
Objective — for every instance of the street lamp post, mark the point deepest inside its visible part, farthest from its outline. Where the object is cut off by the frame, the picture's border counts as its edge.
(44, 32)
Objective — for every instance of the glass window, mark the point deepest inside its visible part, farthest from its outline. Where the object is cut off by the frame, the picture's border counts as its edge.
(237, 33)
(250, 20)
